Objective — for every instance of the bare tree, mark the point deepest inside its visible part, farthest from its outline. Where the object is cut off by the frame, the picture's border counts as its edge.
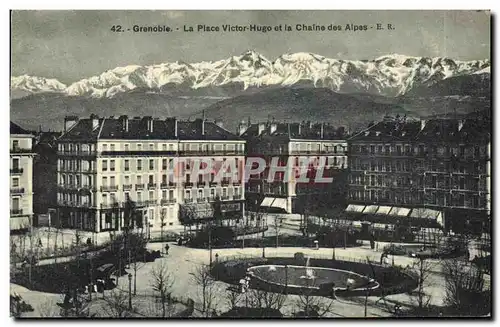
(163, 217)
(266, 299)
(312, 306)
(47, 309)
(232, 297)
(206, 283)
(421, 270)
(18, 306)
(117, 304)
(277, 228)
(162, 282)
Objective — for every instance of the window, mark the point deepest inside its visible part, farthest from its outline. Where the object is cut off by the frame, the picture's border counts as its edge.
(200, 193)
(127, 164)
(212, 193)
(151, 146)
(171, 194)
(126, 196)
(112, 165)
(139, 179)
(236, 192)
(151, 164)
(188, 194)
(15, 163)
(224, 192)
(139, 147)
(164, 194)
(139, 196)
(127, 148)
(104, 199)
(112, 147)
(104, 181)
(151, 195)
(104, 165)
(164, 164)
(170, 147)
(112, 181)
(151, 179)
(15, 182)
(139, 164)
(104, 147)
(164, 147)
(127, 180)
(15, 144)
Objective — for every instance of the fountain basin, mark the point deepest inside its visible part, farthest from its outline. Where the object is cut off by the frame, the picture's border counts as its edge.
(311, 277)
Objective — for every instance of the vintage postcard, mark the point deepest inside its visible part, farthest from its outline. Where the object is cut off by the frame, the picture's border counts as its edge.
(250, 164)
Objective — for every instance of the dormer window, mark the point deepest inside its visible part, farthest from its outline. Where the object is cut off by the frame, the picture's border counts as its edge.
(377, 133)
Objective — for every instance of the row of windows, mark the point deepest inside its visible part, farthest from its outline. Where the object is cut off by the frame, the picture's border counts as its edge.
(152, 195)
(136, 146)
(460, 151)
(413, 166)
(418, 198)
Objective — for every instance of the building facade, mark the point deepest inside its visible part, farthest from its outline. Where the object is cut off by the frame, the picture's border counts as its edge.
(113, 169)
(287, 144)
(438, 164)
(21, 178)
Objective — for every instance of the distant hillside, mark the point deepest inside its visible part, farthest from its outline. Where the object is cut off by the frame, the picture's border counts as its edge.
(477, 85)
(320, 104)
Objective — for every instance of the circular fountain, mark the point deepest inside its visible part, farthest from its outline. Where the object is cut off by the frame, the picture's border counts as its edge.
(307, 277)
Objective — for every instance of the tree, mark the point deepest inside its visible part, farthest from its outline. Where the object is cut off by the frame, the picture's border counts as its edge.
(18, 306)
(162, 282)
(421, 270)
(117, 304)
(266, 299)
(277, 227)
(206, 284)
(163, 217)
(187, 216)
(217, 211)
(310, 305)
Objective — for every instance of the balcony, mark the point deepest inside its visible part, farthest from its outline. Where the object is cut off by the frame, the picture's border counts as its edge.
(187, 184)
(15, 212)
(16, 171)
(139, 187)
(201, 184)
(114, 205)
(168, 185)
(188, 200)
(151, 186)
(140, 203)
(212, 183)
(20, 150)
(127, 187)
(88, 188)
(77, 153)
(236, 183)
(224, 198)
(168, 201)
(211, 153)
(224, 182)
(17, 190)
(152, 202)
(109, 188)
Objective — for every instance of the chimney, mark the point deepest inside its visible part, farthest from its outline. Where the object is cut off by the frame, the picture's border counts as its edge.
(422, 124)
(149, 123)
(322, 131)
(175, 127)
(300, 128)
(242, 128)
(95, 121)
(460, 124)
(124, 122)
(262, 126)
(203, 123)
(273, 127)
(69, 121)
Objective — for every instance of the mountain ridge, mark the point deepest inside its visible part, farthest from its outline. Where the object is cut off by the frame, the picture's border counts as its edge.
(389, 75)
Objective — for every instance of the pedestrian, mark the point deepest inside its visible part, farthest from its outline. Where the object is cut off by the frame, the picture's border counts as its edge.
(167, 247)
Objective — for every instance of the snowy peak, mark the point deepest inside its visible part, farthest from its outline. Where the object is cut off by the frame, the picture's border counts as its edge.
(389, 75)
(35, 84)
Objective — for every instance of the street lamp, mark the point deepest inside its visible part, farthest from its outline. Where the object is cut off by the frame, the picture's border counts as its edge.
(130, 291)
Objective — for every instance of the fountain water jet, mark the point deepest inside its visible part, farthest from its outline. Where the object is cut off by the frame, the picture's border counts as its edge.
(309, 271)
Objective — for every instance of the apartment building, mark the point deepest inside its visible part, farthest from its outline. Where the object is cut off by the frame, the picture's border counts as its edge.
(287, 144)
(21, 178)
(111, 170)
(438, 165)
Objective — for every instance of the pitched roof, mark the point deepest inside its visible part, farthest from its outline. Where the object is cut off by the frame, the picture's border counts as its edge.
(16, 129)
(113, 128)
(306, 131)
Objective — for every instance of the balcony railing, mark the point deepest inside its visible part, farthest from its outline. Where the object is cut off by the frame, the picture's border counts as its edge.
(212, 183)
(187, 184)
(64, 203)
(211, 152)
(77, 153)
(109, 188)
(20, 150)
(140, 203)
(201, 184)
(17, 190)
(188, 200)
(16, 171)
(236, 182)
(224, 198)
(139, 187)
(224, 182)
(151, 186)
(151, 202)
(168, 201)
(127, 187)
(16, 211)
(168, 185)
(114, 205)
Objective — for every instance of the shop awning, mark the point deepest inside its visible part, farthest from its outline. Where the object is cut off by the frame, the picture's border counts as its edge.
(398, 211)
(279, 203)
(425, 213)
(383, 210)
(370, 209)
(354, 208)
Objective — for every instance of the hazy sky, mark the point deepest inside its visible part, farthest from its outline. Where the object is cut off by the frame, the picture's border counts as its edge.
(70, 45)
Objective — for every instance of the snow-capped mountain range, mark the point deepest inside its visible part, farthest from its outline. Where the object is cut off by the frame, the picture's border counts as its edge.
(389, 75)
